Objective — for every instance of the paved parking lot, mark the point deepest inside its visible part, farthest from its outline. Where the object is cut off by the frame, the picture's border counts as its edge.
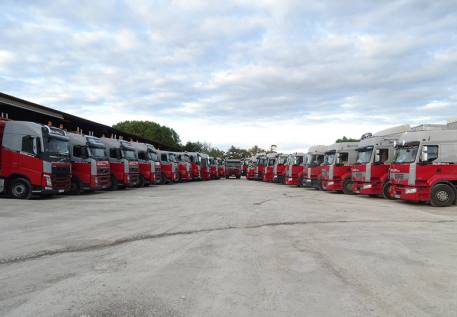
(226, 248)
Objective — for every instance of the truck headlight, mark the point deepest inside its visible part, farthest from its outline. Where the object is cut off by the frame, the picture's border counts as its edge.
(410, 190)
(367, 186)
(48, 180)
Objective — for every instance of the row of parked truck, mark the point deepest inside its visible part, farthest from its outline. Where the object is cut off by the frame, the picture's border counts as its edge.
(409, 163)
(41, 159)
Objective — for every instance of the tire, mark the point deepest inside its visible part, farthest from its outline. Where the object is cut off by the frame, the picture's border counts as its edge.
(443, 195)
(141, 181)
(75, 187)
(114, 183)
(20, 188)
(347, 187)
(238, 177)
(386, 191)
(300, 181)
(226, 177)
(163, 180)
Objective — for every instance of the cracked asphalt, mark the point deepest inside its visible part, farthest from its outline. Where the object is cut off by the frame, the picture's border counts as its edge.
(226, 248)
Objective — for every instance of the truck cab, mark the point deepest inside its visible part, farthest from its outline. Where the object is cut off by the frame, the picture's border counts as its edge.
(184, 166)
(279, 169)
(148, 164)
(425, 165)
(336, 171)
(90, 168)
(269, 168)
(205, 167)
(294, 168)
(375, 154)
(261, 162)
(232, 168)
(213, 168)
(195, 161)
(221, 167)
(34, 159)
(312, 173)
(123, 163)
(244, 167)
(169, 167)
(252, 165)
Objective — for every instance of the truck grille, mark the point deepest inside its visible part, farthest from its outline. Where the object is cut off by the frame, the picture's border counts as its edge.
(399, 176)
(133, 169)
(61, 171)
(60, 182)
(102, 171)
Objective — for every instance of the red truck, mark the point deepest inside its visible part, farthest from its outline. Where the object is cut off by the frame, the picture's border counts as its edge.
(232, 168)
(425, 166)
(213, 168)
(294, 168)
(261, 162)
(245, 166)
(123, 163)
(370, 174)
(34, 159)
(221, 167)
(90, 168)
(312, 173)
(184, 166)
(148, 162)
(195, 161)
(279, 170)
(252, 165)
(336, 171)
(269, 168)
(168, 168)
(205, 167)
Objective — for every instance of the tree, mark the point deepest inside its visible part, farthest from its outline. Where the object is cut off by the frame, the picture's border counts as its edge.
(150, 130)
(237, 153)
(345, 139)
(256, 150)
(203, 148)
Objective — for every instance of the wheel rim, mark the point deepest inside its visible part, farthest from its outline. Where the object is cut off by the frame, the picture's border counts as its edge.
(442, 195)
(19, 190)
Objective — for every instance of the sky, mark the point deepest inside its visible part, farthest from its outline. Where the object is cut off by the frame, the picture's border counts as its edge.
(291, 73)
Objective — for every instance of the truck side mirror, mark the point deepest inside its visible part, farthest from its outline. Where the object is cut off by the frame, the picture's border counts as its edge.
(424, 154)
(377, 157)
(338, 159)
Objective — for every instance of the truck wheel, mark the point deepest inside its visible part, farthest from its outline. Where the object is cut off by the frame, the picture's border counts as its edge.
(163, 180)
(20, 188)
(238, 177)
(141, 182)
(75, 187)
(300, 181)
(386, 191)
(442, 196)
(347, 187)
(114, 183)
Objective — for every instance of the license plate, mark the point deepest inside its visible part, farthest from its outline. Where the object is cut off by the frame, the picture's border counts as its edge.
(61, 190)
(330, 183)
(308, 181)
(397, 196)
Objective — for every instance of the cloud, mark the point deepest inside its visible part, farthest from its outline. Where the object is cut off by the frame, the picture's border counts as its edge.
(291, 73)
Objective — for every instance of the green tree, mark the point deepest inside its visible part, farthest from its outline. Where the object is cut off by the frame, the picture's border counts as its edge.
(150, 130)
(203, 147)
(237, 153)
(345, 139)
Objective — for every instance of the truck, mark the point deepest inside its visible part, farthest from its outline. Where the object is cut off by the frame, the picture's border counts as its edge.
(425, 165)
(337, 168)
(123, 161)
(34, 159)
(252, 164)
(90, 168)
(294, 168)
(245, 166)
(269, 168)
(213, 168)
(195, 161)
(205, 167)
(280, 168)
(184, 166)
(221, 167)
(232, 168)
(312, 173)
(375, 154)
(148, 162)
(261, 162)
(168, 167)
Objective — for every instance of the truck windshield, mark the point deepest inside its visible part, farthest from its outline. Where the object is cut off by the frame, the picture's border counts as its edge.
(172, 157)
(330, 158)
(97, 153)
(153, 156)
(271, 162)
(282, 160)
(204, 162)
(56, 147)
(128, 154)
(298, 160)
(364, 155)
(406, 154)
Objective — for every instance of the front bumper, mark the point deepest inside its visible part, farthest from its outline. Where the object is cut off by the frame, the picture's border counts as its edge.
(292, 180)
(366, 188)
(332, 185)
(411, 193)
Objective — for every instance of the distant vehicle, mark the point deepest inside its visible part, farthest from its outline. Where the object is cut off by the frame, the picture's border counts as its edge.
(270, 166)
(425, 166)
(279, 170)
(169, 167)
(312, 173)
(245, 166)
(205, 167)
(221, 167)
(232, 168)
(195, 161)
(370, 173)
(260, 166)
(252, 165)
(34, 159)
(184, 166)
(124, 165)
(148, 161)
(294, 168)
(90, 166)
(336, 171)
(213, 167)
